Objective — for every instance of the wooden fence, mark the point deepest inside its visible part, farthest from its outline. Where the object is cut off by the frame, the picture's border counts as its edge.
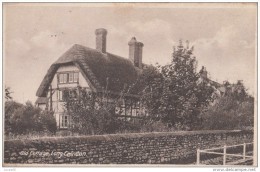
(224, 153)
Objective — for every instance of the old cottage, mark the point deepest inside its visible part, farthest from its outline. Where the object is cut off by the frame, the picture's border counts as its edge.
(95, 70)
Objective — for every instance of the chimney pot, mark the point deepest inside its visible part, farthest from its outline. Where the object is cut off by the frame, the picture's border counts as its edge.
(132, 41)
(140, 44)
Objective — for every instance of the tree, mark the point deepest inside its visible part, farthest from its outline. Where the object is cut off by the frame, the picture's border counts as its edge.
(91, 113)
(10, 108)
(234, 110)
(25, 119)
(44, 122)
(172, 91)
(8, 94)
(149, 86)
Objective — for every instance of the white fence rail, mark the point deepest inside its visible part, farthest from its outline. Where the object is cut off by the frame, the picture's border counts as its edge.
(225, 154)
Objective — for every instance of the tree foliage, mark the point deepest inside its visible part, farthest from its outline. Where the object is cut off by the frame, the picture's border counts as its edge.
(172, 91)
(8, 94)
(174, 95)
(24, 119)
(90, 114)
(234, 110)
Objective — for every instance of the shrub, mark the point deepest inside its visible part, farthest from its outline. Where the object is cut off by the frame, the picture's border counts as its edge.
(229, 113)
(27, 119)
(47, 121)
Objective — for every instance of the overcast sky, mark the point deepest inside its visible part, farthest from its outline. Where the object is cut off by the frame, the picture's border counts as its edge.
(224, 37)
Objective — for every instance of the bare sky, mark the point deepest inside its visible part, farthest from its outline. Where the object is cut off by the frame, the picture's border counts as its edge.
(35, 35)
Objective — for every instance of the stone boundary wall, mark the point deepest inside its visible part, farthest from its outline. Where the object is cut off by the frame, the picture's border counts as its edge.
(135, 148)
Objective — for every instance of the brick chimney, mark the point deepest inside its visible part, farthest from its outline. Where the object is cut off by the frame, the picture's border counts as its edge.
(101, 34)
(136, 52)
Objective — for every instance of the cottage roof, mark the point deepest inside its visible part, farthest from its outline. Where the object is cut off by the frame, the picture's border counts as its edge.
(101, 70)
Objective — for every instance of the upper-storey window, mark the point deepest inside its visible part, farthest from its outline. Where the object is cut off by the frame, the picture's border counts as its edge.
(63, 78)
(76, 77)
(68, 77)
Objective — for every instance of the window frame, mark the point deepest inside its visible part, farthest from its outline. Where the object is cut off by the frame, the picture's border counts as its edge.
(71, 77)
(130, 107)
(60, 95)
(68, 77)
(75, 79)
(60, 78)
(64, 121)
(73, 93)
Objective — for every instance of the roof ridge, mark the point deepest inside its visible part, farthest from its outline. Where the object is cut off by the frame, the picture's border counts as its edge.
(107, 53)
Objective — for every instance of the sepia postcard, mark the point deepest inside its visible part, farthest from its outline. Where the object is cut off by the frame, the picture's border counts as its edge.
(130, 85)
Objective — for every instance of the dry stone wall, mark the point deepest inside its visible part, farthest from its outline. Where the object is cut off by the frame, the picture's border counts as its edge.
(141, 148)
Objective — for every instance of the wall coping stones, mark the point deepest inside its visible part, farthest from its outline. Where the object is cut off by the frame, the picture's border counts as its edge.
(114, 137)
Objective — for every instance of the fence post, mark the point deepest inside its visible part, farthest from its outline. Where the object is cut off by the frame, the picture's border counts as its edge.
(244, 151)
(224, 156)
(198, 156)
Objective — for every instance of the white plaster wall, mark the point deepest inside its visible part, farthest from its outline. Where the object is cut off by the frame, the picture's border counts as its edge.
(82, 81)
(57, 105)
(69, 68)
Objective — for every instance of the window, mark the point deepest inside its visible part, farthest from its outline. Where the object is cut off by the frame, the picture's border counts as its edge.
(68, 93)
(73, 93)
(122, 111)
(63, 78)
(60, 95)
(117, 110)
(128, 110)
(122, 107)
(128, 107)
(134, 112)
(64, 121)
(70, 77)
(136, 107)
(76, 77)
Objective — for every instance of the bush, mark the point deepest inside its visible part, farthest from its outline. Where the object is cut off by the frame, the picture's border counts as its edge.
(47, 122)
(27, 119)
(229, 113)
(10, 108)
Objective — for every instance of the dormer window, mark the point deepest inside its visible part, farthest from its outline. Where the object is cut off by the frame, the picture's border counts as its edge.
(68, 77)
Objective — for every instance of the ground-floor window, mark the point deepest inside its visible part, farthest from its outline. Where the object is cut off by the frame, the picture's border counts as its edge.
(71, 92)
(60, 95)
(128, 107)
(64, 121)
